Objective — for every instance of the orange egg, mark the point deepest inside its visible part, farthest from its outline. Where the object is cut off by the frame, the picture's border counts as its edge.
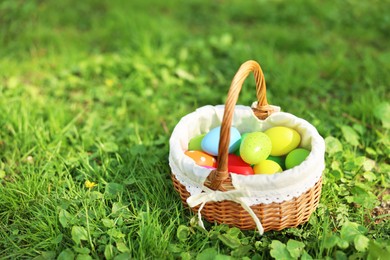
(202, 158)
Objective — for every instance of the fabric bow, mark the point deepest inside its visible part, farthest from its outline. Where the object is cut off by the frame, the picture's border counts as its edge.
(210, 195)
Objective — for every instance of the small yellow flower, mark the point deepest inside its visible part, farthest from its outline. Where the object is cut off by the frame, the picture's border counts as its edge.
(90, 184)
(109, 82)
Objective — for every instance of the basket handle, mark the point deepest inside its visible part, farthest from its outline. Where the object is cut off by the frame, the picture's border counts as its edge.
(262, 111)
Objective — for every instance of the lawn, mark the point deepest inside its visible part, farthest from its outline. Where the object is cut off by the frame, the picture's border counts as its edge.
(90, 92)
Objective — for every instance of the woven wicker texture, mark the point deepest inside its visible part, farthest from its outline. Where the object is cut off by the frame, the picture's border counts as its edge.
(274, 216)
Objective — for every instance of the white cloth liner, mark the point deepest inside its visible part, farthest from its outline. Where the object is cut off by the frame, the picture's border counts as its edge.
(249, 190)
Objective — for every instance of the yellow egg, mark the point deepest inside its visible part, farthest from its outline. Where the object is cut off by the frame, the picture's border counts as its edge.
(283, 139)
(267, 167)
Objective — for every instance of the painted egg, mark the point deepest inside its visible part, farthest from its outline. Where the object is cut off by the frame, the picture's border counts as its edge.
(283, 139)
(296, 157)
(210, 142)
(255, 148)
(237, 165)
(210, 167)
(279, 160)
(195, 143)
(242, 138)
(267, 167)
(202, 158)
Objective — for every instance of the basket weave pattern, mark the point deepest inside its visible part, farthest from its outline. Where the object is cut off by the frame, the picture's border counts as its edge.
(273, 216)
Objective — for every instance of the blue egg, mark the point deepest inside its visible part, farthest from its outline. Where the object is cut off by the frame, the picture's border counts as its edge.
(210, 142)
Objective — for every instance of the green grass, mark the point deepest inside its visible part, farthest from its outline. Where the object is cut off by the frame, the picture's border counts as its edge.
(91, 90)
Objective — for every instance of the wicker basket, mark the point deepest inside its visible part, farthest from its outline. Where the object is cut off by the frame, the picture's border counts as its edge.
(273, 216)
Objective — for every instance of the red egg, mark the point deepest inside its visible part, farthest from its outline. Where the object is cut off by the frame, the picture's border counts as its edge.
(202, 158)
(237, 165)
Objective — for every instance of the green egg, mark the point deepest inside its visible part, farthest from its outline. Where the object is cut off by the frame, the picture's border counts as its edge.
(255, 147)
(195, 143)
(279, 160)
(242, 138)
(296, 157)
